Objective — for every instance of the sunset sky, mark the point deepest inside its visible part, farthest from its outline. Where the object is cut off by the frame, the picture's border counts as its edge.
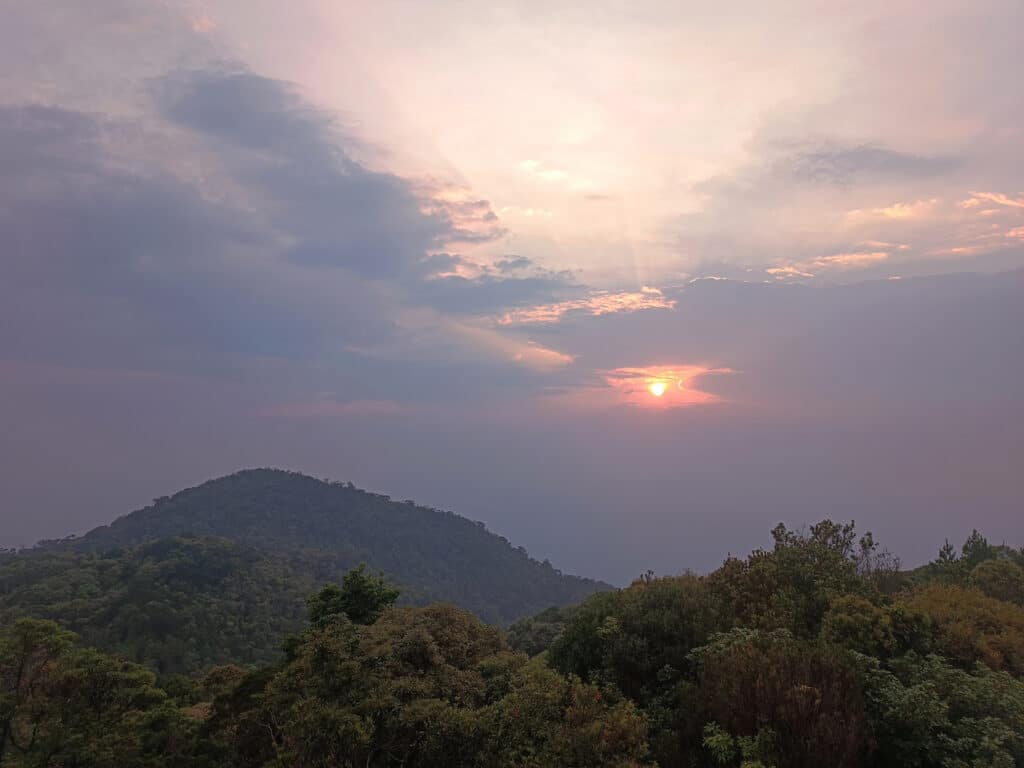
(626, 281)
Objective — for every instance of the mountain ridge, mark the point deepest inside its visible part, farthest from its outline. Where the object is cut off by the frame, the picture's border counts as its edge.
(433, 555)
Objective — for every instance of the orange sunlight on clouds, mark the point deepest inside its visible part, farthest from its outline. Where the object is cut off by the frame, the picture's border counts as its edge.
(659, 387)
(598, 303)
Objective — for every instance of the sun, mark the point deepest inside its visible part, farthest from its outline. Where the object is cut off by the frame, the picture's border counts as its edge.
(657, 388)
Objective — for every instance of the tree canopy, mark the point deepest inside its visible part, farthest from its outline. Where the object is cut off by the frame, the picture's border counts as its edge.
(816, 651)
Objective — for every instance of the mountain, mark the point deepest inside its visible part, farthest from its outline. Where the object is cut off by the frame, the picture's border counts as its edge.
(176, 604)
(319, 530)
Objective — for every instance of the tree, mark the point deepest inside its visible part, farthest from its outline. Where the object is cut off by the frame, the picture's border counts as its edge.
(361, 599)
(421, 688)
(535, 634)
(970, 627)
(61, 705)
(924, 712)
(28, 653)
(1000, 578)
(549, 720)
(808, 694)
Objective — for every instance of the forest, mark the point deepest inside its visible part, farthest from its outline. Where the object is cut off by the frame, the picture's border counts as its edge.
(817, 650)
(289, 526)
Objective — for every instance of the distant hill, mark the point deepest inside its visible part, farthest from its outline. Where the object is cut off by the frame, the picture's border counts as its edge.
(176, 604)
(321, 529)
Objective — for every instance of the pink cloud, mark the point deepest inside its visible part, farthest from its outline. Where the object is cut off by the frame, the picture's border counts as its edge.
(656, 387)
(472, 219)
(850, 260)
(837, 261)
(600, 303)
(917, 209)
(978, 199)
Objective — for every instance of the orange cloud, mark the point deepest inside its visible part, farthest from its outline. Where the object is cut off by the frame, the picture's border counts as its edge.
(850, 260)
(637, 386)
(509, 348)
(600, 303)
(656, 387)
(472, 219)
(917, 209)
(978, 199)
(837, 261)
(789, 271)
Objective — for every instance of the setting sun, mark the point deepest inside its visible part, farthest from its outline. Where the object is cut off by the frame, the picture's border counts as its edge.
(657, 388)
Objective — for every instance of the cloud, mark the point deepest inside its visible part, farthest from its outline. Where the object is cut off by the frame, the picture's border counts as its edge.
(595, 304)
(662, 386)
(788, 271)
(656, 387)
(833, 163)
(850, 260)
(283, 248)
(543, 172)
(336, 212)
(812, 164)
(487, 293)
(530, 213)
(977, 199)
(837, 261)
(96, 255)
(512, 263)
(918, 209)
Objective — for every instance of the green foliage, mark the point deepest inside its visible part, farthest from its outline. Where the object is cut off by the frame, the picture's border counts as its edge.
(793, 585)
(745, 751)
(879, 631)
(361, 599)
(951, 567)
(972, 627)
(639, 638)
(420, 687)
(808, 693)
(815, 652)
(1001, 579)
(178, 605)
(61, 705)
(535, 634)
(548, 720)
(323, 529)
(926, 713)
(218, 574)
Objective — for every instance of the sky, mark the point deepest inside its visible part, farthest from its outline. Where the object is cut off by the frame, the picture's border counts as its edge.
(629, 282)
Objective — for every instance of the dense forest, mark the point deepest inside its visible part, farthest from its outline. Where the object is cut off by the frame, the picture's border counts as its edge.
(817, 651)
(246, 548)
(178, 605)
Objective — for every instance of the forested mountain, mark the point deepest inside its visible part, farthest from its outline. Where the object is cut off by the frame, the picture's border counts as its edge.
(176, 604)
(817, 651)
(219, 572)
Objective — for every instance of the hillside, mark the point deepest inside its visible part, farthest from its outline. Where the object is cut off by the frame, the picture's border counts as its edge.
(321, 529)
(178, 605)
(816, 651)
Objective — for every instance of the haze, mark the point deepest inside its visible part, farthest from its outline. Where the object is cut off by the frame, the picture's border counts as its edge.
(445, 251)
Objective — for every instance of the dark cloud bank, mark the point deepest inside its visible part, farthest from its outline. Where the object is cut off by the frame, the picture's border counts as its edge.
(172, 286)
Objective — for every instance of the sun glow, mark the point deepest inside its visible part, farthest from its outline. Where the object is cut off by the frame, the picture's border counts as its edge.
(656, 388)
